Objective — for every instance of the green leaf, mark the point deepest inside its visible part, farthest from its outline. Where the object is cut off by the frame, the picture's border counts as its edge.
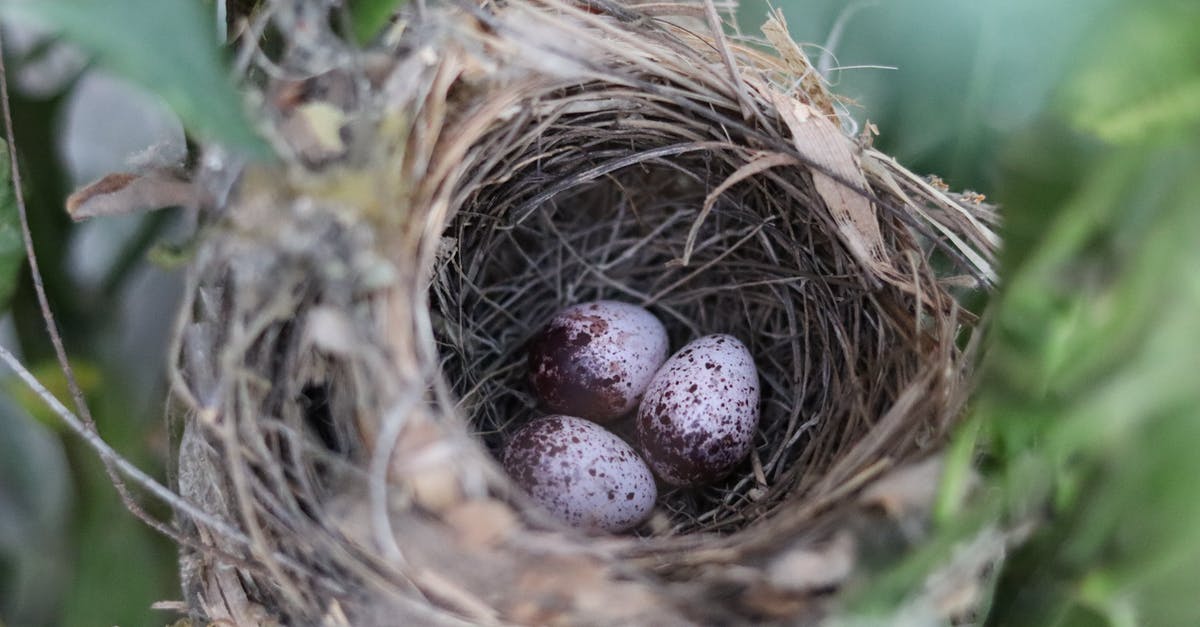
(368, 17)
(166, 46)
(12, 249)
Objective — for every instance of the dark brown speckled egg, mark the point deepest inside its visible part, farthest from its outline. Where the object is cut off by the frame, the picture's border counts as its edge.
(594, 360)
(700, 413)
(581, 473)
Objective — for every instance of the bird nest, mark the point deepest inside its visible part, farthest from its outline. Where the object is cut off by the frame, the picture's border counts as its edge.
(350, 355)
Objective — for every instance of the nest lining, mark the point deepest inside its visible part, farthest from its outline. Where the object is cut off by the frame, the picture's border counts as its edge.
(341, 360)
(831, 353)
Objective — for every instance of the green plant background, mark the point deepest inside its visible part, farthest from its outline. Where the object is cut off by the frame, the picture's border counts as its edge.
(1080, 117)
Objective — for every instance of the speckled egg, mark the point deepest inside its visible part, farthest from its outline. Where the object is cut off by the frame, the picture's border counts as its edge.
(581, 473)
(699, 415)
(595, 360)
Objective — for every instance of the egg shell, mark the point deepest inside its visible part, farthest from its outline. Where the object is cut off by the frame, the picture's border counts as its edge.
(700, 413)
(594, 360)
(581, 473)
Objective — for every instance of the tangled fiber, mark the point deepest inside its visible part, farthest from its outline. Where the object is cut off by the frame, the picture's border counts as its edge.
(350, 354)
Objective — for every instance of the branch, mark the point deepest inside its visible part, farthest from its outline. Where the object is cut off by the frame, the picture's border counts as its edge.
(114, 459)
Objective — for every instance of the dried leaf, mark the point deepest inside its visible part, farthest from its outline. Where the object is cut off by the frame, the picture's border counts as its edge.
(821, 141)
(123, 192)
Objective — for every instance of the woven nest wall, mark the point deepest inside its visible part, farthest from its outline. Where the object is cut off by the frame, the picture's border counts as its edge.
(350, 355)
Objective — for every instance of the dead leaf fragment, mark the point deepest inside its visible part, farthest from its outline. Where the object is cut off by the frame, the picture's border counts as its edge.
(124, 192)
(838, 178)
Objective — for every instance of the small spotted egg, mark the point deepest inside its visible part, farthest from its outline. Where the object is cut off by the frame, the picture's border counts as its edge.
(594, 360)
(700, 413)
(581, 473)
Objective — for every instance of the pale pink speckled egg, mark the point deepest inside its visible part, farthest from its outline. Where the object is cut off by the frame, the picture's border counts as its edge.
(581, 473)
(700, 413)
(594, 360)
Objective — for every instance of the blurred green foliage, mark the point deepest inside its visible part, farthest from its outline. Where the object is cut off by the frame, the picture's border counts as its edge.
(1142, 80)
(167, 46)
(70, 554)
(107, 567)
(1082, 120)
(1081, 117)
